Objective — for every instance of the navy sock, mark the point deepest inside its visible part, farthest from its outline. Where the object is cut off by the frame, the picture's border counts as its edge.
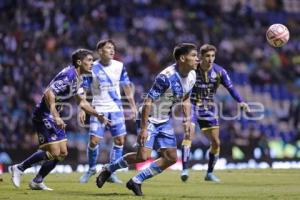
(211, 162)
(34, 158)
(46, 168)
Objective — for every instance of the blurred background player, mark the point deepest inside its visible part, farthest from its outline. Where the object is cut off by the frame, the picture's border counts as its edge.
(173, 85)
(107, 77)
(49, 125)
(209, 77)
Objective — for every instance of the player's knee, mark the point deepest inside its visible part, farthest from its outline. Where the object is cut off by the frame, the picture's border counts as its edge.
(216, 143)
(93, 143)
(142, 157)
(119, 141)
(63, 154)
(53, 154)
(49, 155)
(215, 150)
(172, 159)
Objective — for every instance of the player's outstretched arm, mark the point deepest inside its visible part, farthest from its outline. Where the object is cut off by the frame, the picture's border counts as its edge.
(226, 81)
(50, 101)
(85, 105)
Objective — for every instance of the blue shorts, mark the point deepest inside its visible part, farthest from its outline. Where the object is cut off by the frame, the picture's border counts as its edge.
(48, 132)
(161, 136)
(117, 128)
(206, 119)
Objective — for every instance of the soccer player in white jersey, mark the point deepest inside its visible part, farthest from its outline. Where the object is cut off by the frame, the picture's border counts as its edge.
(107, 77)
(172, 86)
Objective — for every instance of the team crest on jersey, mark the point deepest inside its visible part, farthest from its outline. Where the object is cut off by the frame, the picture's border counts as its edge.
(213, 74)
(58, 84)
(163, 78)
(176, 86)
(53, 137)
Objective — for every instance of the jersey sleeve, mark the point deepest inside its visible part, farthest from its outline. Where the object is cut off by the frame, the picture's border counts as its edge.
(60, 85)
(225, 80)
(192, 81)
(160, 85)
(124, 79)
(87, 83)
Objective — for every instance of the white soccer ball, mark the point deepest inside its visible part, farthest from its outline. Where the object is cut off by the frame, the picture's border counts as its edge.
(277, 35)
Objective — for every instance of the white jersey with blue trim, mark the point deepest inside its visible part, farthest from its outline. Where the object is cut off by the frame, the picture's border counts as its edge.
(105, 85)
(168, 89)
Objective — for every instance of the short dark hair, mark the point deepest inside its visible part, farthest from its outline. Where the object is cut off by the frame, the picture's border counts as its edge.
(102, 43)
(183, 49)
(206, 48)
(80, 54)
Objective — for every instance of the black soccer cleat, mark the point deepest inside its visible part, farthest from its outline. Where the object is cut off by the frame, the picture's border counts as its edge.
(184, 178)
(184, 175)
(135, 187)
(103, 177)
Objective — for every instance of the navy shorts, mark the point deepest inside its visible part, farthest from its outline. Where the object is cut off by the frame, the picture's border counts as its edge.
(48, 132)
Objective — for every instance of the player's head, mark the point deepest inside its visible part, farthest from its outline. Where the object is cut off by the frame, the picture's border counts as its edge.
(186, 54)
(106, 49)
(83, 59)
(208, 54)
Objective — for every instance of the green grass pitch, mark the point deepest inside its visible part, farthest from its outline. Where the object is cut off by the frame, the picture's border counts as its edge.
(236, 184)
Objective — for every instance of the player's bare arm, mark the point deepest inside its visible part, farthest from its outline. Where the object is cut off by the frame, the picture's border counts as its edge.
(82, 114)
(84, 104)
(128, 90)
(144, 121)
(50, 101)
(186, 109)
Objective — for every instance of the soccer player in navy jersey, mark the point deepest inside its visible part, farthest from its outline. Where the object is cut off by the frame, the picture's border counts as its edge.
(108, 75)
(50, 126)
(172, 86)
(209, 77)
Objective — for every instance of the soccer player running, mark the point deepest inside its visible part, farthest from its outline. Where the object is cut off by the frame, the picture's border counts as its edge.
(172, 86)
(50, 126)
(104, 84)
(209, 77)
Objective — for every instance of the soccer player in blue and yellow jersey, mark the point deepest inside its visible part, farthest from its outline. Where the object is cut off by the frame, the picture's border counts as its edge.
(172, 86)
(50, 126)
(209, 77)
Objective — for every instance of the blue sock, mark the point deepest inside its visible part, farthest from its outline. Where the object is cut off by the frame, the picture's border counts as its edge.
(93, 156)
(212, 161)
(118, 164)
(46, 168)
(147, 173)
(116, 153)
(34, 158)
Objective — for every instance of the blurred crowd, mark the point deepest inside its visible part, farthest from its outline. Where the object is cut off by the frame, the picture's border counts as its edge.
(37, 38)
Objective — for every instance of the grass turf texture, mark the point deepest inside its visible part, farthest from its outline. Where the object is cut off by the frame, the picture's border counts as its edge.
(236, 184)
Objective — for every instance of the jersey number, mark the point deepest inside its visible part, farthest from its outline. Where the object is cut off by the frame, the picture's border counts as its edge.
(47, 123)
